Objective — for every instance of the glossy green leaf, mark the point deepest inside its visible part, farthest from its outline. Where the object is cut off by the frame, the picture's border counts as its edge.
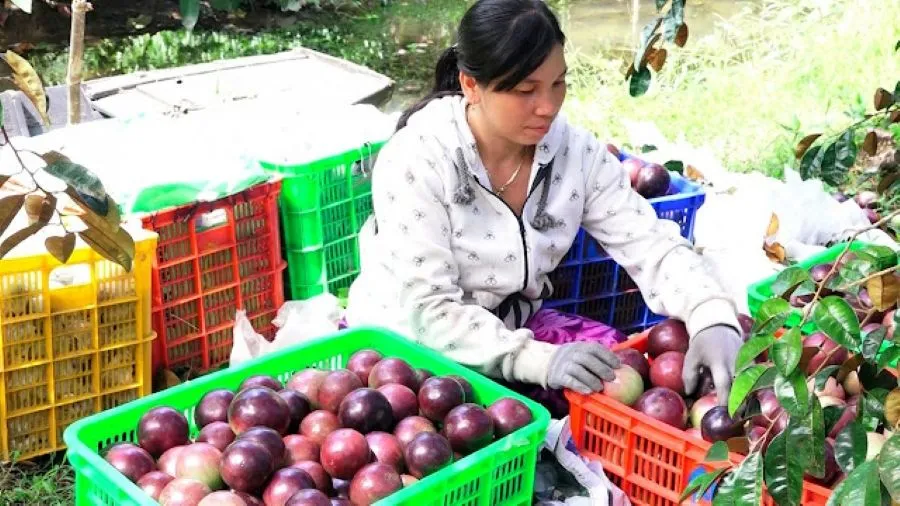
(743, 385)
(832, 414)
(872, 343)
(834, 316)
(811, 163)
(871, 408)
(828, 168)
(725, 493)
(889, 466)
(660, 4)
(850, 446)
(816, 421)
(890, 354)
(767, 380)
(845, 156)
(640, 82)
(748, 481)
(783, 471)
(823, 375)
(701, 483)
(648, 38)
(718, 452)
(881, 257)
(771, 316)
(787, 350)
(751, 349)
(673, 20)
(789, 279)
(675, 166)
(792, 393)
(864, 486)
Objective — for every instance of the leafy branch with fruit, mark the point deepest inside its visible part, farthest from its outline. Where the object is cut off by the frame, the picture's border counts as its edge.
(862, 157)
(831, 396)
(73, 200)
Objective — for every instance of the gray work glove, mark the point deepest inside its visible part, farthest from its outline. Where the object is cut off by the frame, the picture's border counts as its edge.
(582, 367)
(716, 348)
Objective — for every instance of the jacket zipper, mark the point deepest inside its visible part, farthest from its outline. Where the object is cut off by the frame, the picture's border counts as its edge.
(518, 220)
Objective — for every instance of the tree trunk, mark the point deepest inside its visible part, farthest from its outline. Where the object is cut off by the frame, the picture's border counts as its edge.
(76, 59)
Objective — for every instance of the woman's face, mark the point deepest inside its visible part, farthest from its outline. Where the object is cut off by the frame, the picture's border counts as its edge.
(523, 115)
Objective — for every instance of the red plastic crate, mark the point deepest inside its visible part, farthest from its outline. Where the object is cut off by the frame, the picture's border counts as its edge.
(650, 461)
(212, 259)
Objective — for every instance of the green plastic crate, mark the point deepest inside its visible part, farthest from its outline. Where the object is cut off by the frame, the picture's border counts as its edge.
(761, 291)
(499, 474)
(323, 205)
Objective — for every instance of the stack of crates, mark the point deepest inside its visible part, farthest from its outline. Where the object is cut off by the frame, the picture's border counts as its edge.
(214, 258)
(76, 339)
(589, 283)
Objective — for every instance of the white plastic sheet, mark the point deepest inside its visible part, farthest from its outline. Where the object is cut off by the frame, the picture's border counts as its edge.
(297, 322)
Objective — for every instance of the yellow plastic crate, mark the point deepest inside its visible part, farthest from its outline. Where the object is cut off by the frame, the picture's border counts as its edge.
(75, 339)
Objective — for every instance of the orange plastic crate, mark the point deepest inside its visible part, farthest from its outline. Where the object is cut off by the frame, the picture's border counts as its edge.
(214, 258)
(650, 461)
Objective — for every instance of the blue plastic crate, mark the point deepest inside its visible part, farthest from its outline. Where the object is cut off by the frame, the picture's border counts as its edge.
(589, 283)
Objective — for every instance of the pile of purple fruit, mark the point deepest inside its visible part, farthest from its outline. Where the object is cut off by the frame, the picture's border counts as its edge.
(352, 436)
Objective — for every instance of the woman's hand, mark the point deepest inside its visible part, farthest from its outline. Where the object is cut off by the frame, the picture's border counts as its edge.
(582, 367)
(715, 347)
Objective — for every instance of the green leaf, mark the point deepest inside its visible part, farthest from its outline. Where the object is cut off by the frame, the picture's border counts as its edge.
(850, 446)
(660, 4)
(845, 157)
(831, 415)
(648, 38)
(675, 166)
(792, 393)
(787, 350)
(871, 408)
(811, 163)
(789, 279)
(772, 315)
(783, 471)
(824, 374)
(743, 385)
(190, 13)
(865, 486)
(744, 484)
(834, 316)
(816, 422)
(701, 483)
(767, 380)
(890, 354)
(640, 82)
(881, 257)
(718, 452)
(751, 349)
(872, 343)
(80, 178)
(25, 5)
(889, 466)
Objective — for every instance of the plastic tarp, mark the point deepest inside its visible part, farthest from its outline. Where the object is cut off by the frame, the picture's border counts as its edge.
(731, 227)
(156, 162)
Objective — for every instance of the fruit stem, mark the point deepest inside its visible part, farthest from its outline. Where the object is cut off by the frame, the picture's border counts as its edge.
(828, 356)
(765, 435)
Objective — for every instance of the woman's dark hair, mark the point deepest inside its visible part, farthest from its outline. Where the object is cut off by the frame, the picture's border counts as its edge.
(497, 40)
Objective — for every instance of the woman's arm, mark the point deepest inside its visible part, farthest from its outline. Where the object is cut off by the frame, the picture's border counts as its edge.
(413, 224)
(675, 280)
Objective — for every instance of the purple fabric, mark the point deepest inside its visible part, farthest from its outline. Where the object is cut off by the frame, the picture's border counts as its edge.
(555, 327)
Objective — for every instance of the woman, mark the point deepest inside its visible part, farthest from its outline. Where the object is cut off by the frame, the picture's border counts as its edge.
(481, 192)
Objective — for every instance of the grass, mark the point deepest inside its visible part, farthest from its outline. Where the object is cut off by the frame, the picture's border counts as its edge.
(759, 83)
(48, 481)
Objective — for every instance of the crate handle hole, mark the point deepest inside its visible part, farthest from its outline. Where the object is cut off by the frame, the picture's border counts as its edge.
(211, 220)
(65, 276)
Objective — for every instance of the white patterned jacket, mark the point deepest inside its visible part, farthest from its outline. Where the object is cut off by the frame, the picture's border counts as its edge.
(447, 263)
